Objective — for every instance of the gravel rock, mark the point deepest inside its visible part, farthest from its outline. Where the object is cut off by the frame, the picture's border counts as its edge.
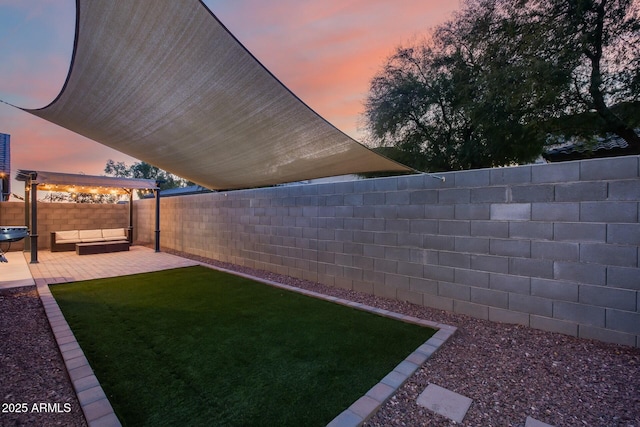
(35, 389)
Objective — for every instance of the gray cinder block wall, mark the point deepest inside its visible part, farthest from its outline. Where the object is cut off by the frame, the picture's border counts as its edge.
(554, 247)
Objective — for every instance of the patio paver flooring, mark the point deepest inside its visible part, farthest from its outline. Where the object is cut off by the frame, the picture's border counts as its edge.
(15, 273)
(63, 267)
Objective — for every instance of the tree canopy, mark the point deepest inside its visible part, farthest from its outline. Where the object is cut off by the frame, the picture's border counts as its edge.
(57, 197)
(144, 170)
(487, 87)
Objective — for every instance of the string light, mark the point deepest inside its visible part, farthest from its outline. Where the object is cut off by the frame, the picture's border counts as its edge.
(82, 189)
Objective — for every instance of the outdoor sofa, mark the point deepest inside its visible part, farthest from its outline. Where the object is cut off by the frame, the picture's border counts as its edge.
(91, 241)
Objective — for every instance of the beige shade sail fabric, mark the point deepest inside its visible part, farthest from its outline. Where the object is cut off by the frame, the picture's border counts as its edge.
(165, 82)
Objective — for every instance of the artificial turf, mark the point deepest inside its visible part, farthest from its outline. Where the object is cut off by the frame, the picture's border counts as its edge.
(195, 346)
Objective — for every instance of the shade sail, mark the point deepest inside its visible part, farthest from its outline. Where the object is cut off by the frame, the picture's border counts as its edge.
(167, 83)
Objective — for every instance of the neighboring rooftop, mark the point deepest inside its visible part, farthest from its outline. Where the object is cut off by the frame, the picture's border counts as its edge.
(576, 148)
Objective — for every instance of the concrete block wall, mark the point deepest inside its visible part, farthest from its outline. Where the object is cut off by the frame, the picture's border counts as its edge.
(64, 216)
(553, 247)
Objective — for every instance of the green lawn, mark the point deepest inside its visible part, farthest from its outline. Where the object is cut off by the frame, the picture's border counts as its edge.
(195, 346)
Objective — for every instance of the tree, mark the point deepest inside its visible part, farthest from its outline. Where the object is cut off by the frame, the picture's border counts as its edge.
(92, 198)
(58, 197)
(145, 171)
(604, 41)
(489, 85)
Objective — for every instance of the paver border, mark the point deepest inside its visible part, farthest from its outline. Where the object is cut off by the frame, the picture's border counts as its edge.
(94, 403)
(98, 410)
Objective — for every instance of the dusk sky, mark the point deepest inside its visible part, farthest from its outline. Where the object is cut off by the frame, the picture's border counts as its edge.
(325, 51)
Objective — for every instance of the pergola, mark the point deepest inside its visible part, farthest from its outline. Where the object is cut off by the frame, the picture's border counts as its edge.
(75, 183)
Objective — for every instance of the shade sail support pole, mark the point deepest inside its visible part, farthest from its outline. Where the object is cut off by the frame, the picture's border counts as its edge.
(34, 220)
(27, 218)
(157, 195)
(131, 216)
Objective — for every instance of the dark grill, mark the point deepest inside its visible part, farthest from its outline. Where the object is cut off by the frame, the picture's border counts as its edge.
(9, 235)
(13, 233)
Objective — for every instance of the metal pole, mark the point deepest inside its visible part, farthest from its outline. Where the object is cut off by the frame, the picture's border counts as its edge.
(131, 216)
(157, 194)
(34, 220)
(27, 219)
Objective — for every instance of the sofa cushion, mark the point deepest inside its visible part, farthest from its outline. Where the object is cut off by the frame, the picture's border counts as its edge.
(114, 234)
(70, 236)
(90, 235)
(63, 241)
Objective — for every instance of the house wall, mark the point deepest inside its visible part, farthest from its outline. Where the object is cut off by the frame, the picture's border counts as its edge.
(64, 216)
(554, 247)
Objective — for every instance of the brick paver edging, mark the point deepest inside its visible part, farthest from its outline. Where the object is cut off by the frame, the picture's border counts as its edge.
(365, 407)
(94, 403)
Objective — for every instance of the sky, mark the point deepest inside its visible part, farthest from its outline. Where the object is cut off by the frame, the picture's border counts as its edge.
(324, 51)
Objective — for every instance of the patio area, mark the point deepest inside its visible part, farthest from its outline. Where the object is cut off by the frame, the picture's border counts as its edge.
(63, 267)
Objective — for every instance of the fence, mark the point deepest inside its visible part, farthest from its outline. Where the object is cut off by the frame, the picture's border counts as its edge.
(553, 247)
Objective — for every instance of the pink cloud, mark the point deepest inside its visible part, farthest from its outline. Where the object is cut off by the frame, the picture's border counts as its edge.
(49, 147)
(327, 52)
(40, 145)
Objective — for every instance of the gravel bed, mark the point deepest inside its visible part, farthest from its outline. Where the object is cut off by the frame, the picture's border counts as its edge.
(511, 372)
(32, 369)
